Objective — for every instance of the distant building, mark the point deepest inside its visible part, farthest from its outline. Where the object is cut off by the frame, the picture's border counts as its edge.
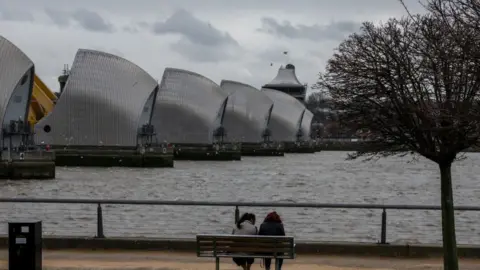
(286, 81)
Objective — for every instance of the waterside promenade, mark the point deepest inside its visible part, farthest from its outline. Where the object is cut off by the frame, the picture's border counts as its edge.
(151, 219)
(108, 247)
(105, 248)
(317, 248)
(154, 260)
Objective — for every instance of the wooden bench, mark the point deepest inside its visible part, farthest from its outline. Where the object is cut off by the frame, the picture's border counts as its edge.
(251, 246)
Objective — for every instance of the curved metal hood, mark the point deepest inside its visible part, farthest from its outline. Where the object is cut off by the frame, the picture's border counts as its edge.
(286, 77)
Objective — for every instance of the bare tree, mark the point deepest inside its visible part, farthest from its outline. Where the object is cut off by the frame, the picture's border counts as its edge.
(464, 12)
(411, 85)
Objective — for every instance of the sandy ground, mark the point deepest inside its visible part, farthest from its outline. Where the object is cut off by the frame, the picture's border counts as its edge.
(175, 261)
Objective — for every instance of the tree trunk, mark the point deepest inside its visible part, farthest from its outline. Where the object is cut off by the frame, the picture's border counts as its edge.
(450, 258)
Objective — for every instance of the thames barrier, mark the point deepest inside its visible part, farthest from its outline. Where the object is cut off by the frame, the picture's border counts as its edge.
(110, 112)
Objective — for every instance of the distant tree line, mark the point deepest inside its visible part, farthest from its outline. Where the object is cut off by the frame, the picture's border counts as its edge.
(325, 118)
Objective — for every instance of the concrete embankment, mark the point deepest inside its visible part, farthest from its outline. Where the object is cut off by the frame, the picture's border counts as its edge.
(117, 157)
(210, 152)
(27, 169)
(36, 164)
(263, 149)
(300, 148)
(302, 247)
(168, 260)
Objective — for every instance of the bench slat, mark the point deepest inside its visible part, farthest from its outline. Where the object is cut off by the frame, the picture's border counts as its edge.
(245, 240)
(241, 237)
(273, 249)
(228, 255)
(240, 244)
(220, 245)
(252, 250)
(245, 246)
(224, 242)
(247, 249)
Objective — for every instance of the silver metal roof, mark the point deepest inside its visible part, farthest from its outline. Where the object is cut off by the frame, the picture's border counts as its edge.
(104, 102)
(16, 83)
(286, 115)
(307, 124)
(189, 107)
(286, 77)
(248, 112)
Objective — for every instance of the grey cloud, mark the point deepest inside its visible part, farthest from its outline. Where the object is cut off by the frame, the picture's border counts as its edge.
(199, 52)
(341, 9)
(88, 20)
(275, 55)
(191, 49)
(200, 41)
(91, 21)
(331, 31)
(7, 14)
(58, 17)
(321, 54)
(136, 27)
(130, 29)
(143, 25)
(198, 32)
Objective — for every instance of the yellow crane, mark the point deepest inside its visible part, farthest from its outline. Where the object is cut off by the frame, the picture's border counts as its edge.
(42, 102)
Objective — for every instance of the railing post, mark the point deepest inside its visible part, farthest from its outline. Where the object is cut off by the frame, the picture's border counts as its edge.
(100, 222)
(383, 236)
(237, 214)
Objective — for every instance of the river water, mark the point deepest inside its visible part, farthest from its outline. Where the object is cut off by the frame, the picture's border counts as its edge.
(324, 177)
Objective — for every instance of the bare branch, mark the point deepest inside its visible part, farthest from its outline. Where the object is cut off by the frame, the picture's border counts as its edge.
(410, 85)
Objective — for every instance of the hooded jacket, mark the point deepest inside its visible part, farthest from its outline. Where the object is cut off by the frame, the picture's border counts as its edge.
(272, 225)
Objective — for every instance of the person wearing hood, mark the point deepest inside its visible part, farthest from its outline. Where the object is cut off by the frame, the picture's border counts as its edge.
(272, 225)
(245, 226)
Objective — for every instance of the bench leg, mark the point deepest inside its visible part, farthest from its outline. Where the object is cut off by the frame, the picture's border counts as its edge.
(217, 263)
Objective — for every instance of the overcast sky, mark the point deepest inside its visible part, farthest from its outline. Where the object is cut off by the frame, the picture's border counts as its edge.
(221, 39)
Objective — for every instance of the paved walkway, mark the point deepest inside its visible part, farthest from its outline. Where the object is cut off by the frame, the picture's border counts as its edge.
(146, 260)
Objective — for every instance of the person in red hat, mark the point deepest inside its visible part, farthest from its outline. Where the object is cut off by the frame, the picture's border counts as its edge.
(272, 225)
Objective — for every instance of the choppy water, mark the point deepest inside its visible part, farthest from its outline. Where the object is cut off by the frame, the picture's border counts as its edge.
(324, 177)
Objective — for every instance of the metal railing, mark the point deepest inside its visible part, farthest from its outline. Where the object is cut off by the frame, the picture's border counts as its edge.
(237, 205)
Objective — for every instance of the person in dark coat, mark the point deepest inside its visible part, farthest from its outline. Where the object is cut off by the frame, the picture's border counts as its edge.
(272, 225)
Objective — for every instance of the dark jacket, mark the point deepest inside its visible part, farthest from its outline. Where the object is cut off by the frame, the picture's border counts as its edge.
(271, 228)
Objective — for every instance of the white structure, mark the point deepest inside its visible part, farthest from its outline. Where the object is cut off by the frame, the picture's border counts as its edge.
(248, 112)
(106, 101)
(189, 108)
(16, 85)
(287, 116)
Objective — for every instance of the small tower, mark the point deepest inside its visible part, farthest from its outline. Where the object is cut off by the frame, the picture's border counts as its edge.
(286, 81)
(62, 79)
